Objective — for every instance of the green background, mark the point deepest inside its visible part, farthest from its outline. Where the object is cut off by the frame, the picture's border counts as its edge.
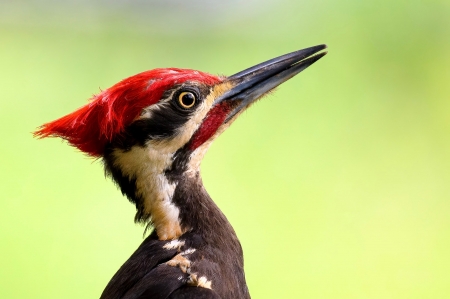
(337, 184)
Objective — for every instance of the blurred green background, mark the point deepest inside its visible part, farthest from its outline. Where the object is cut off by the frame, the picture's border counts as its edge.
(337, 184)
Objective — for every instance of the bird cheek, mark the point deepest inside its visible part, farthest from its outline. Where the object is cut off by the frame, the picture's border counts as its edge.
(213, 120)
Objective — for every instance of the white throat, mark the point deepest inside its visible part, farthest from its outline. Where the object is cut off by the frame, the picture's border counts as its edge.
(146, 165)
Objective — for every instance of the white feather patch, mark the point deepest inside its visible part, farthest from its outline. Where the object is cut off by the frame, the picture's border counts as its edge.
(147, 166)
(173, 244)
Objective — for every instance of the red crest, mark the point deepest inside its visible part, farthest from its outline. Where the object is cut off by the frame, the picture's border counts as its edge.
(92, 126)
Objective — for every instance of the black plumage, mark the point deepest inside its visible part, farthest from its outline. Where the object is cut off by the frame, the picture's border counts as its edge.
(217, 255)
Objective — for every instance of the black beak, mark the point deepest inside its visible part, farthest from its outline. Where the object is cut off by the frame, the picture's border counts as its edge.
(252, 83)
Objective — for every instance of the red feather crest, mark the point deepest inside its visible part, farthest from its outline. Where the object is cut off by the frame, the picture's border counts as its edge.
(92, 126)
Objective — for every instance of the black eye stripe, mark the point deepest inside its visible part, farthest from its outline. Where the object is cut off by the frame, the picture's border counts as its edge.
(163, 122)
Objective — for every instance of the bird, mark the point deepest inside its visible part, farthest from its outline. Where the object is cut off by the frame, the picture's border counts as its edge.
(151, 131)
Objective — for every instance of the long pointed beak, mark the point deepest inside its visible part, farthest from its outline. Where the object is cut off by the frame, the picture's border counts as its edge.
(250, 84)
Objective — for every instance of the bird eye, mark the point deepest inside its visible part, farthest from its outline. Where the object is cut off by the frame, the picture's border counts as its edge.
(187, 99)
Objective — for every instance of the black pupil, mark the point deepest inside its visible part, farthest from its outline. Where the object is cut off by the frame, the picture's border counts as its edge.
(188, 99)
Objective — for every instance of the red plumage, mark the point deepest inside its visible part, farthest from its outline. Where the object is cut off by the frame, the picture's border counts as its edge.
(92, 126)
(213, 120)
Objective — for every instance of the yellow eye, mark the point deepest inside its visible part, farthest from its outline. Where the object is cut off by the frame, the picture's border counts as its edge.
(187, 99)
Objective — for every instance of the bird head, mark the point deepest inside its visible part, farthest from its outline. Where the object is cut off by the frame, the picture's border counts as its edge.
(153, 129)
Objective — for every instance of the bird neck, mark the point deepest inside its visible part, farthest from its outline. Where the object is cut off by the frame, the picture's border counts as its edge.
(171, 200)
(198, 212)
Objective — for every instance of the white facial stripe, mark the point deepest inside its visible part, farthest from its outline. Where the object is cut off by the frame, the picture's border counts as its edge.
(147, 165)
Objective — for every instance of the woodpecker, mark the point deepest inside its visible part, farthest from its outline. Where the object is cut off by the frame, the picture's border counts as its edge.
(151, 132)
